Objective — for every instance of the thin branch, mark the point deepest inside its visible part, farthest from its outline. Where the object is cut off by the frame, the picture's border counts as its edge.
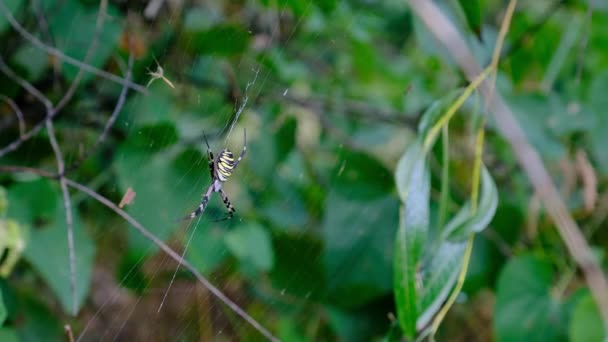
(68, 212)
(529, 159)
(59, 54)
(101, 14)
(148, 235)
(40, 172)
(26, 85)
(119, 104)
(175, 256)
(17, 111)
(53, 111)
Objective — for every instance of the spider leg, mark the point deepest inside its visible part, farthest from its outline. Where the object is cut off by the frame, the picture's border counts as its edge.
(211, 163)
(209, 156)
(228, 205)
(201, 207)
(244, 151)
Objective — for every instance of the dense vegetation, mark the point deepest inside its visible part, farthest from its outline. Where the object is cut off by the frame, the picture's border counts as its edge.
(359, 211)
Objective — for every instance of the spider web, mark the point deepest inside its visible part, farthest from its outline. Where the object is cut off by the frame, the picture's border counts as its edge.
(164, 291)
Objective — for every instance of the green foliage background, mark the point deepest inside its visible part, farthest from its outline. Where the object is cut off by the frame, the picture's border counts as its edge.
(334, 92)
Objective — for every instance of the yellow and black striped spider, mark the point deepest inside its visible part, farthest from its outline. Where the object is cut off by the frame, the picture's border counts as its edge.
(221, 169)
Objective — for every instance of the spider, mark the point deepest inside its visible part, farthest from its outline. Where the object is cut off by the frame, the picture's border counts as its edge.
(221, 169)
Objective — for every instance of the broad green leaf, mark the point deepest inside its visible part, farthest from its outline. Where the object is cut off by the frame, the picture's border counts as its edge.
(147, 109)
(359, 176)
(223, 40)
(3, 312)
(598, 102)
(285, 138)
(356, 236)
(533, 112)
(472, 11)
(53, 265)
(36, 200)
(463, 224)
(74, 42)
(13, 7)
(30, 201)
(436, 111)
(154, 137)
(357, 325)
(34, 60)
(525, 308)
(304, 251)
(413, 182)
(484, 265)
(37, 322)
(8, 335)
(207, 249)
(586, 323)
(251, 244)
(289, 330)
(166, 188)
(438, 276)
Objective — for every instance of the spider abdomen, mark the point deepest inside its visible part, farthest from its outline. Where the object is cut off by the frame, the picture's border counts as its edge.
(225, 165)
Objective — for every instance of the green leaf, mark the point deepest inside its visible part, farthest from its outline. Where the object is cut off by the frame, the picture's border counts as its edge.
(3, 312)
(37, 322)
(207, 250)
(586, 323)
(251, 244)
(533, 112)
(154, 137)
(598, 102)
(31, 201)
(463, 224)
(361, 325)
(435, 112)
(34, 60)
(357, 262)
(286, 138)
(8, 335)
(359, 176)
(472, 11)
(413, 182)
(304, 251)
(438, 276)
(223, 40)
(166, 188)
(53, 265)
(39, 201)
(13, 6)
(75, 42)
(525, 309)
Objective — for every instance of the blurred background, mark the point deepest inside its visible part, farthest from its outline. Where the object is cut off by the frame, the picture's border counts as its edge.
(330, 94)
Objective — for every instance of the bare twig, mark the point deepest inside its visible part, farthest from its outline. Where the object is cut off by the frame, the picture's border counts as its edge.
(148, 235)
(40, 172)
(68, 212)
(175, 256)
(26, 85)
(17, 111)
(119, 104)
(53, 111)
(101, 14)
(59, 54)
(67, 329)
(528, 157)
(43, 24)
